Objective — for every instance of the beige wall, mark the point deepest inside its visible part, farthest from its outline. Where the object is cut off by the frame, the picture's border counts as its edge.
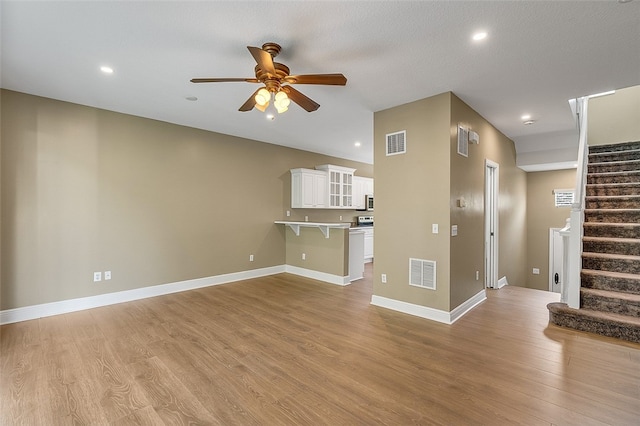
(87, 190)
(614, 118)
(467, 181)
(328, 255)
(412, 192)
(421, 187)
(542, 214)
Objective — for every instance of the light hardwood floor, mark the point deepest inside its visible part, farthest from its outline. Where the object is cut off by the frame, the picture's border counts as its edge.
(285, 350)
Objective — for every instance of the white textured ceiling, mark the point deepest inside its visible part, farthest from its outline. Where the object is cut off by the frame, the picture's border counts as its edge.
(537, 56)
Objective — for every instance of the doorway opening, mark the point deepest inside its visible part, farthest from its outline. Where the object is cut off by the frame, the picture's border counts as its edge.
(491, 190)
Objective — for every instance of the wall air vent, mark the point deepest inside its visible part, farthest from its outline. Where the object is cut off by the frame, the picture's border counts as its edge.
(397, 143)
(463, 141)
(422, 273)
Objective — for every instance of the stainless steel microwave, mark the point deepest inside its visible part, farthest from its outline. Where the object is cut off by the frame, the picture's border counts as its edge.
(368, 202)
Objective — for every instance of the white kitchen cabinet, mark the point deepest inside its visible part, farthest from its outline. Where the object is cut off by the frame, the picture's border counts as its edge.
(356, 250)
(308, 189)
(368, 244)
(340, 186)
(361, 186)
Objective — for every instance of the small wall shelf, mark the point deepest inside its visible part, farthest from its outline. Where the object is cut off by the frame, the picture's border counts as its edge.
(324, 227)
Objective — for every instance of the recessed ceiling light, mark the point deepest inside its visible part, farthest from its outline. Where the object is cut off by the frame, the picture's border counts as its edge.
(106, 70)
(528, 122)
(481, 35)
(191, 98)
(357, 144)
(526, 117)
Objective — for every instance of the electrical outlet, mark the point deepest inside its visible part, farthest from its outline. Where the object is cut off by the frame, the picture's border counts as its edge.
(340, 219)
(107, 275)
(288, 213)
(304, 256)
(454, 230)
(477, 275)
(383, 278)
(306, 218)
(250, 258)
(97, 276)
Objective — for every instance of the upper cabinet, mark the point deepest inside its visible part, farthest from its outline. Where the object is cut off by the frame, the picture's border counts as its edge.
(308, 189)
(328, 187)
(361, 186)
(340, 186)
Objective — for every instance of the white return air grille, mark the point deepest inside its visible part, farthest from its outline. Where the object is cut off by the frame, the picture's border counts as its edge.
(422, 273)
(463, 141)
(397, 143)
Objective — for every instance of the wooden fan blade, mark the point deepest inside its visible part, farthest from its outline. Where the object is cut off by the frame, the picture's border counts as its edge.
(251, 102)
(264, 59)
(302, 100)
(223, 80)
(328, 79)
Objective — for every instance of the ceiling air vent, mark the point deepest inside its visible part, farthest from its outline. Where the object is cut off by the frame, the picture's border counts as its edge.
(463, 141)
(422, 273)
(397, 143)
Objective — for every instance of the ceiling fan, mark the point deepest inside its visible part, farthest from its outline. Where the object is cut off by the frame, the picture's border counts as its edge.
(277, 82)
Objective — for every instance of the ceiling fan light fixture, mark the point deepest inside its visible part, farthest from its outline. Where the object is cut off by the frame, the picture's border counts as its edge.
(262, 108)
(281, 102)
(262, 97)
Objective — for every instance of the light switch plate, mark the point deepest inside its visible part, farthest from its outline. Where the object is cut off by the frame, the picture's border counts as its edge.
(454, 230)
(434, 228)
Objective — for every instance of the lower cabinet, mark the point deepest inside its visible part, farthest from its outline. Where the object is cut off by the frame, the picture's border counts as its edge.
(356, 260)
(368, 244)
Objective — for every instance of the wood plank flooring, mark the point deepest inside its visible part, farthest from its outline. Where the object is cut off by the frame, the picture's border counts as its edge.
(285, 350)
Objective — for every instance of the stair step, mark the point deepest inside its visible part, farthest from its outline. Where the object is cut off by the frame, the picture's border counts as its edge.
(607, 280)
(610, 301)
(614, 147)
(612, 202)
(614, 166)
(612, 215)
(611, 262)
(605, 157)
(603, 323)
(628, 246)
(612, 230)
(614, 177)
(599, 189)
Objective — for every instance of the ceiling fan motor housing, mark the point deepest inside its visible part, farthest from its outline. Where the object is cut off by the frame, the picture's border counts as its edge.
(270, 81)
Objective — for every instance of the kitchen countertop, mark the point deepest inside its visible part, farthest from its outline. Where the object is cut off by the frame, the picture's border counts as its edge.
(323, 226)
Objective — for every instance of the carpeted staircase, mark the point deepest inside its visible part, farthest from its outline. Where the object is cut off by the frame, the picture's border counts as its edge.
(610, 278)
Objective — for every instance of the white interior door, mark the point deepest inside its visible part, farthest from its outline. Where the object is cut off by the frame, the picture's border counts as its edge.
(555, 260)
(491, 224)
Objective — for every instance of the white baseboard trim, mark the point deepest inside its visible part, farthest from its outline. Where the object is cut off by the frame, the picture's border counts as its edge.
(316, 275)
(468, 305)
(502, 282)
(72, 305)
(430, 313)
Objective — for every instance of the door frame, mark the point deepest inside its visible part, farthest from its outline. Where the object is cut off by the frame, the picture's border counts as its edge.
(491, 213)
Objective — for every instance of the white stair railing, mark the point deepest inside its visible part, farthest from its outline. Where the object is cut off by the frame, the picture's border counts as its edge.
(570, 293)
